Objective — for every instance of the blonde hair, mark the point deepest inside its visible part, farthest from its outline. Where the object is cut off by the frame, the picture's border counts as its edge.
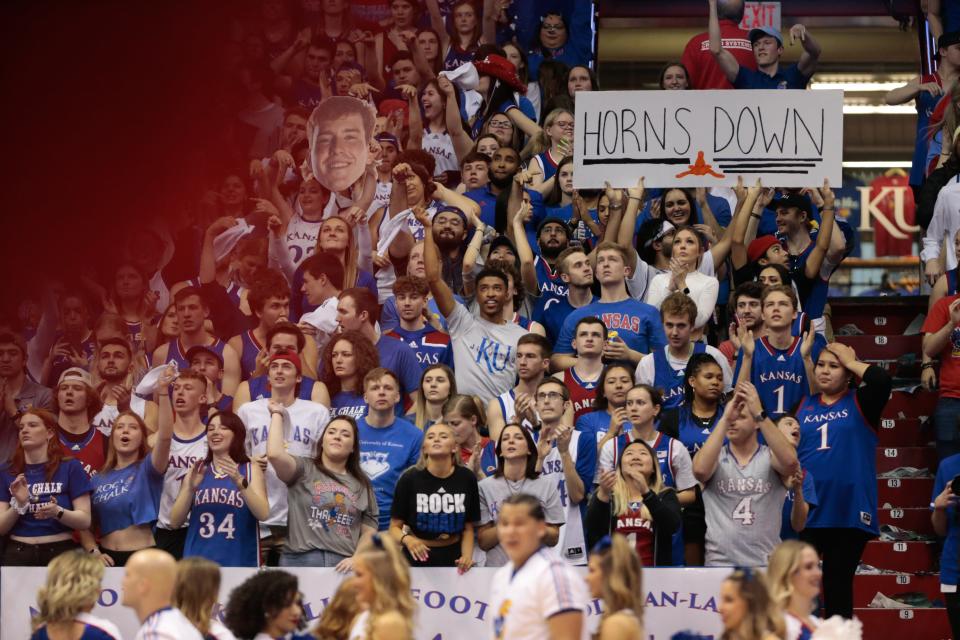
(783, 564)
(196, 589)
(339, 614)
(621, 492)
(454, 457)
(351, 255)
(622, 578)
(390, 574)
(540, 142)
(763, 616)
(72, 587)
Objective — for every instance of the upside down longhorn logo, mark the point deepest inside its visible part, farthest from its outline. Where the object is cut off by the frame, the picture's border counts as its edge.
(699, 168)
(499, 622)
(374, 463)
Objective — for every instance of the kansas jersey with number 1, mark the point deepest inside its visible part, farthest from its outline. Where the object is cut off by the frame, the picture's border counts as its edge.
(838, 446)
(222, 528)
(778, 375)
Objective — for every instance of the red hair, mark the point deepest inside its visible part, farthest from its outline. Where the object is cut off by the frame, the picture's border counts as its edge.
(54, 453)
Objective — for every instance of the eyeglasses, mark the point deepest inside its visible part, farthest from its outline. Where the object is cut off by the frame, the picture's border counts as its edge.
(550, 395)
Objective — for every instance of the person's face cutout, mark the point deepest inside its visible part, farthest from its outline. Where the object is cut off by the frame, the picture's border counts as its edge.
(340, 147)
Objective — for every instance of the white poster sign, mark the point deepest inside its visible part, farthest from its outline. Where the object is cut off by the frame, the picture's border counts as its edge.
(451, 606)
(708, 138)
(761, 14)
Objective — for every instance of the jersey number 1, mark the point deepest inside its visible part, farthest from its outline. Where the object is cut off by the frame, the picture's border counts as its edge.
(823, 436)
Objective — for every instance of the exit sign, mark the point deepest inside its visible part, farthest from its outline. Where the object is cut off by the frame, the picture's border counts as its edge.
(761, 14)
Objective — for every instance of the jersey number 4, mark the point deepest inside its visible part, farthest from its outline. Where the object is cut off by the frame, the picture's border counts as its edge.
(744, 513)
(208, 526)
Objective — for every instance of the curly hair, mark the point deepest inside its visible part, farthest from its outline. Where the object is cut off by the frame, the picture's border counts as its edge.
(365, 356)
(261, 597)
(72, 587)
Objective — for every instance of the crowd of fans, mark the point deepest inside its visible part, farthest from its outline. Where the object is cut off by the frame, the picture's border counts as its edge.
(400, 316)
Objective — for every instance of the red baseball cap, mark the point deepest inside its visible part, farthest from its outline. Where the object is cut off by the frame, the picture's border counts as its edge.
(758, 248)
(290, 356)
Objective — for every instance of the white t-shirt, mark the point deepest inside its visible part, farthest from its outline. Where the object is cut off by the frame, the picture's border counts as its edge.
(522, 602)
(301, 238)
(167, 624)
(645, 372)
(440, 146)
(303, 426)
(639, 281)
(183, 455)
(704, 290)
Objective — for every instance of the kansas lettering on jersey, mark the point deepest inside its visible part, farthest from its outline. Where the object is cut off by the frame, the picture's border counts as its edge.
(429, 345)
(668, 379)
(222, 528)
(838, 447)
(582, 392)
(778, 375)
(183, 455)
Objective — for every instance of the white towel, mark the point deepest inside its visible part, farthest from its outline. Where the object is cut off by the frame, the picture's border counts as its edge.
(224, 243)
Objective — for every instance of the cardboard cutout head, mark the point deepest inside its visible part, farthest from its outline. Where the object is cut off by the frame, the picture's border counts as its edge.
(340, 131)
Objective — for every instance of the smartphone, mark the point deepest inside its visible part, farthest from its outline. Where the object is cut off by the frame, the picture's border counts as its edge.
(955, 485)
(804, 325)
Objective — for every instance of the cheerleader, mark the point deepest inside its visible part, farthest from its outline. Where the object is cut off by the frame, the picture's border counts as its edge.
(224, 497)
(838, 445)
(747, 611)
(536, 595)
(66, 600)
(383, 591)
(794, 575)
(267, 606)
(195, 593)
(614, 575)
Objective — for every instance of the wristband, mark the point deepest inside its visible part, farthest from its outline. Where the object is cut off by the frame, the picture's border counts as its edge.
(60, 514)
(19, 508)
(928, 365)
(402, 537)
(635, 198)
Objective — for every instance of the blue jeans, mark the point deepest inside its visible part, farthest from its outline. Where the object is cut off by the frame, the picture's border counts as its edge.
(946, 424)
(312, 558)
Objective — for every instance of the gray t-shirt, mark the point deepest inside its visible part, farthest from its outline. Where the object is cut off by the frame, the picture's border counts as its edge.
(485, 354)
(326, 512)
(744, 508)
(493, 491)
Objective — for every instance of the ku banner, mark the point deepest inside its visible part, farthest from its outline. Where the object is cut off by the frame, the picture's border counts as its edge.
(450, 606)
(708, 138)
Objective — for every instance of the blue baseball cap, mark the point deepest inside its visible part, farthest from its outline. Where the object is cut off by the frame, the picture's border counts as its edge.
(759, 32)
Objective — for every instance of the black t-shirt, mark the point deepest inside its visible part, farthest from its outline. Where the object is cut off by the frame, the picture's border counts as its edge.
(436, 507)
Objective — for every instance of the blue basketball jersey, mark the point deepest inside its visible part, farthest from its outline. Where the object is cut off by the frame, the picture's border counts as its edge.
(248, 354)
(260, 388)
(222, 528)
(596, 422)
(693, 432)
(177, 353)
(952, 281)
(778, 375)
(839, 447)
(429, 345)
(668, 379)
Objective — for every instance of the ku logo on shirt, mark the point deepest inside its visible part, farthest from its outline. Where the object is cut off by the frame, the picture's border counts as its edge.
(374, 463)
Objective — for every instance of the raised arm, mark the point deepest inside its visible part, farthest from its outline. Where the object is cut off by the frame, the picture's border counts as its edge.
(935, 17)
(728, 64)
(528, 270)
(746, 201)
(815, 261)
(811, 49)
(283, 463)
(462, 143)
(436, 21)
(784, 460)
(160, 456)
(431, 258)
(706, 461)
(208, 261)
(415, 124)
